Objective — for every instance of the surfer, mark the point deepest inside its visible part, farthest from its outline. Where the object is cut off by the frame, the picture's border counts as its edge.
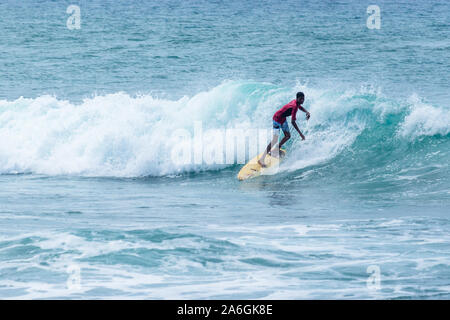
(279, 122)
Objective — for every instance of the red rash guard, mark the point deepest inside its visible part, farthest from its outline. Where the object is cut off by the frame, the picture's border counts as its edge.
(288, 110)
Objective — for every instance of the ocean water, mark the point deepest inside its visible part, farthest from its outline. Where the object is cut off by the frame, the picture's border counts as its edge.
(93, 205)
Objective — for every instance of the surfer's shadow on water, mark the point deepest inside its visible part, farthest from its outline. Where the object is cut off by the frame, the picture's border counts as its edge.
(282, 199)
(277, 190)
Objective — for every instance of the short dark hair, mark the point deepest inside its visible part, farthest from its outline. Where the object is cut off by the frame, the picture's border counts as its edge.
(300, 95)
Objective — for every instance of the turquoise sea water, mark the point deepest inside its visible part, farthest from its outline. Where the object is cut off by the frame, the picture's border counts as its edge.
(92, 204)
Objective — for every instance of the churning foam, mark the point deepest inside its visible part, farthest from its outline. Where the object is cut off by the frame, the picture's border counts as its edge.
(425, 120)
(121, 135)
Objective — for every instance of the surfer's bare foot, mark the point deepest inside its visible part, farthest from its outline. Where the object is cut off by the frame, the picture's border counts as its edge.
(262, 164)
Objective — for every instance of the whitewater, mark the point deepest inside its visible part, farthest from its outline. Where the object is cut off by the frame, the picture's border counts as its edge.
(119, 135)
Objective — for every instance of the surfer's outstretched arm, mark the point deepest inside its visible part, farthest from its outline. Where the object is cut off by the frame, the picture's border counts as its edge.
(294, 124)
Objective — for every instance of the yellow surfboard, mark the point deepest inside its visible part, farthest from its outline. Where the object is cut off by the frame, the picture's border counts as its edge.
(253, 169)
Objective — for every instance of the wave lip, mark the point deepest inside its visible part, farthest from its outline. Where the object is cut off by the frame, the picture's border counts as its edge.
(425, 120)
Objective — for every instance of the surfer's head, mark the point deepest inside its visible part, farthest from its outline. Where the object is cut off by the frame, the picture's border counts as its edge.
(300, 97)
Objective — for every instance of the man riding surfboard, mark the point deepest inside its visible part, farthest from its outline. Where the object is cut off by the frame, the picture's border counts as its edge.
(279, 122)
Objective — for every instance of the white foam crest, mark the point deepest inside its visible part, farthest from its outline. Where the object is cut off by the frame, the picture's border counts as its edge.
(425, 120)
